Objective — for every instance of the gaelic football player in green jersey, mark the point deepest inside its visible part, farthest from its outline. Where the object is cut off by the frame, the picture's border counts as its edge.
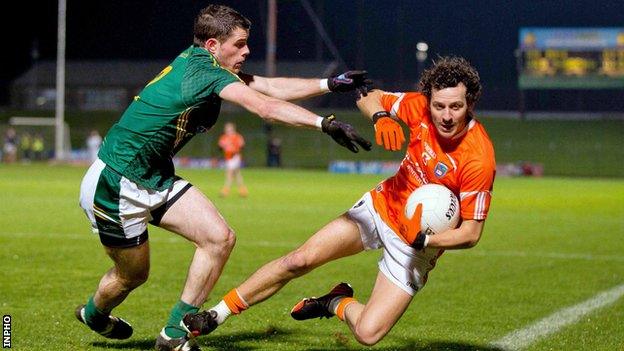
(133, 182)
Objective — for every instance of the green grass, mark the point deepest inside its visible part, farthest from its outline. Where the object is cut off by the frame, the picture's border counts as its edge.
(549, 243)
(565, 148)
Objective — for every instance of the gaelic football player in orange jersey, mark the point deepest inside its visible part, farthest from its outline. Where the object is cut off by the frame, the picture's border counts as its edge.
(447, 146)
(231, 142)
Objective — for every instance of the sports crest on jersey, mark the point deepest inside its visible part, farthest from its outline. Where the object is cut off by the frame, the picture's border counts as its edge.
(440, 170)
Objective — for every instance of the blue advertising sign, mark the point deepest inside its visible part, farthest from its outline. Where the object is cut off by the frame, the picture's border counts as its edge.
(572, 38)
(571, 58)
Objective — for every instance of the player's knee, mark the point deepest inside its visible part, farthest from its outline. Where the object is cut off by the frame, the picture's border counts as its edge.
(222, 240)
(132, 281)
(296, 263)
(368, 334)
(228, 239)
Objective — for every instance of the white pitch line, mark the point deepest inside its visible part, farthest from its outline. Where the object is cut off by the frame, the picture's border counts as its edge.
(267, 243)
(171, 239)
(522, 338)
(538, 254)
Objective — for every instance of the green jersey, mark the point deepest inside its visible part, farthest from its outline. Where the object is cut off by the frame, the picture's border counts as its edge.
(180, 102)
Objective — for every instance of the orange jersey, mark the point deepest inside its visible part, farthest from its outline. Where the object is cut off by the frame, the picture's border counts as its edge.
(231, 144)
(466, 165)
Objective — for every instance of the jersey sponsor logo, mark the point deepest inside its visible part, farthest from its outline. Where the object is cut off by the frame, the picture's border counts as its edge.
(414, 169)
(440, 170)
(425, 157)
(429, 150)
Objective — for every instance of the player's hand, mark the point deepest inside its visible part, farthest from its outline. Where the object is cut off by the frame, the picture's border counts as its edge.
(388, 132)
(410, 228)
(344, 134)
(350, 80)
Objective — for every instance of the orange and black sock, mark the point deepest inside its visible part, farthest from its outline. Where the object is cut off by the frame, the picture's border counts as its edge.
(342, 306)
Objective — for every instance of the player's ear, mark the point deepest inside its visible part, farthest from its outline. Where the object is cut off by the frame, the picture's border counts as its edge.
(470, 109)
(212, 45)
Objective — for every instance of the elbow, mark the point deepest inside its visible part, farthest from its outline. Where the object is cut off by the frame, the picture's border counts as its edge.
(472, 241)
(470, 233)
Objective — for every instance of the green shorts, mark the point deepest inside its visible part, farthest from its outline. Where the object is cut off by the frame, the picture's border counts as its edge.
(119, 209)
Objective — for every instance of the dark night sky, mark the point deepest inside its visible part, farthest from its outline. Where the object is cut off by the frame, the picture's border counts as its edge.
(377, 35)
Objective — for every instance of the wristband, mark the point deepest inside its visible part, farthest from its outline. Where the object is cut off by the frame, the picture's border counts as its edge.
(380, 114)
(324, 85)
(421, 241)
(319, 122)
(426, 242)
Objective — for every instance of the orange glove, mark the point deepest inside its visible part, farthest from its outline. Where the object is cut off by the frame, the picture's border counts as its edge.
(388, 132)
(410, 229)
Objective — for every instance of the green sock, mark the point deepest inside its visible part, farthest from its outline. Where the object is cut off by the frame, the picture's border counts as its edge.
(173, 329)
(94, 317)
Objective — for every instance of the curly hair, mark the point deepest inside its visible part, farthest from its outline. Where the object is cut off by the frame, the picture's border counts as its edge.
(217, 21)
(448, 72)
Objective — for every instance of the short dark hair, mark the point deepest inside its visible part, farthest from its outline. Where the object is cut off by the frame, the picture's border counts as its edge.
(448, 72)
(217, 21)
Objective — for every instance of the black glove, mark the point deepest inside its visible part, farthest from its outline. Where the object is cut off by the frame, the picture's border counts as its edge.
(344, 134)
(350, 80)
(419, 242)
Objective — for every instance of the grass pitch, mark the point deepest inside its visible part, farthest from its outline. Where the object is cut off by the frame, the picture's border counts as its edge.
(548, 244)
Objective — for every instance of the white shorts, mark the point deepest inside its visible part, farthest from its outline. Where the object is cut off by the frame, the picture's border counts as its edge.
(233, 163)
(9, 148)
(119, 209)
(403, 265)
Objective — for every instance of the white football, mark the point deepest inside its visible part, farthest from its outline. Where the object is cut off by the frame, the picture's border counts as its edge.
(440, 208)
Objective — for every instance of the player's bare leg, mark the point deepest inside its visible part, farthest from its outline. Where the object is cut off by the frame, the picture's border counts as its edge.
(339, 238)
(131, 269)
(195, 218)
(242, 189)
(369, 323)
(229, 177)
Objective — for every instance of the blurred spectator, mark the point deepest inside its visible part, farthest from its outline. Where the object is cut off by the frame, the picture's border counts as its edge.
(94, 140)
(9, 148)
(25, 142)
(231, 142)
(274, 152)
(37, 147)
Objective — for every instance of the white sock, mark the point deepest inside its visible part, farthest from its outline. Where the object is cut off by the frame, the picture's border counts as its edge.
(223, 312)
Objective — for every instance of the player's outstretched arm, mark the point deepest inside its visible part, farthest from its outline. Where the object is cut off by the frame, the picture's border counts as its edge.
(276, 110)
(302, 88)
(388, 132)
(464, 237)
